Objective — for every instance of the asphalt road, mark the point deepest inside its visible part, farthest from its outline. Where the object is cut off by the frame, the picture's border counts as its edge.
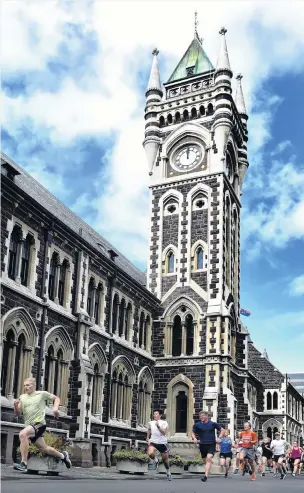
(214, 485)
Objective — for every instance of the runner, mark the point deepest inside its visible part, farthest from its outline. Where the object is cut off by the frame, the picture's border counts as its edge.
(206, 431)
(258, 456)
(32, 406)
(225, 451)
(266, 455)
(157, 439)
(279, 446)
(249, 439)
(295, 458)
(237, 457)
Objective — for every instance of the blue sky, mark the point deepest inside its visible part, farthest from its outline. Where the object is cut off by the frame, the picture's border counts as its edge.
(74, 77)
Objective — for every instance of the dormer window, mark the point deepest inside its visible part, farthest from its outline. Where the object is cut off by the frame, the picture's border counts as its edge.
(190, 70)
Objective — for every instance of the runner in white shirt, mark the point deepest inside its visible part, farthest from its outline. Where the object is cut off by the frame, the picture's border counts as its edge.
(279, 446)
(157, 439)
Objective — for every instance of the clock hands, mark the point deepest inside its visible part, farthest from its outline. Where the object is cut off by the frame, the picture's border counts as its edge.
(188, 152)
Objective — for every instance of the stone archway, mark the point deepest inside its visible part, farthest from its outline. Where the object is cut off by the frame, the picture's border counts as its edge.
(270, 427)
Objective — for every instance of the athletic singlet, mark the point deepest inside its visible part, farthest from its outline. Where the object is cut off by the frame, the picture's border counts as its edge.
(295, 453)
(226, 445)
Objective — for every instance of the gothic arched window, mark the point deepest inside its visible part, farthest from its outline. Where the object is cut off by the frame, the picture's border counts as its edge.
(25, 260)
(169, 119)
(202, 110)
(8, 347)
(122, 309)
(177, 117)
(13, 252)
(115, 313)
(170, 262)
(228, 242)
(141, 329)
(185, 115)
(161, 121)
(91, 288)
(52, 275)
(199, 258)
(18, 384)
(177, 336)
(275, 401)
(99, 293)
(269, 401)
(128, 313)
(62, 280)
(210, 109)
(193, 113)
(189, 334)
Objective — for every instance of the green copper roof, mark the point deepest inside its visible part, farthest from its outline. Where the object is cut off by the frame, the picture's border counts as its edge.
(194, 57)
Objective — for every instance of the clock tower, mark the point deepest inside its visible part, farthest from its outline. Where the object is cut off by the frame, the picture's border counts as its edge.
(196, 147)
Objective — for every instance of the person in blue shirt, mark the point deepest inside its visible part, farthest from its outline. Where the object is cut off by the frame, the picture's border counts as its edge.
(225, 451)
(205, 429)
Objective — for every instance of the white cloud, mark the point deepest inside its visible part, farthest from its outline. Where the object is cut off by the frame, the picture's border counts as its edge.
(297, 285)
(281, 147)
(107, 98)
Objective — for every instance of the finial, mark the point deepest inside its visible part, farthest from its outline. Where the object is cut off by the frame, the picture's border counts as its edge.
(155, 52)
(195, 24)
(239, 77)
(223, 31)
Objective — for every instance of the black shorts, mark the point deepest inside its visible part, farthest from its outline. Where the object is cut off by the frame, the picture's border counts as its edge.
(39, 429)
(277, 457)
(207, 448)
(226, 455)
(162, 448)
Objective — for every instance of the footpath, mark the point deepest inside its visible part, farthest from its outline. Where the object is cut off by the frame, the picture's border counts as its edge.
(89, 474)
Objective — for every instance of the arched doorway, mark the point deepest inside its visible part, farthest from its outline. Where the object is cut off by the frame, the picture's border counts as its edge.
(181, 412)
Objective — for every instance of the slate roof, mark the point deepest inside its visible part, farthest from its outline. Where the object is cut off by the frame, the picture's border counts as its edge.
(35, 190)
(263, 369)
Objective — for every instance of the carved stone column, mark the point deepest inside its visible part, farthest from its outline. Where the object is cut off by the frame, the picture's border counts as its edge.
(11, 371)
(184, 340)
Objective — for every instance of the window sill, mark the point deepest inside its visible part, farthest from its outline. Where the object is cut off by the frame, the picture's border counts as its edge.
(170, 274)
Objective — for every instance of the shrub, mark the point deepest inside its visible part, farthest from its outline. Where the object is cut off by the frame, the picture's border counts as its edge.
(132, 455)
(175, 460)
(58, 442)
(197, 461)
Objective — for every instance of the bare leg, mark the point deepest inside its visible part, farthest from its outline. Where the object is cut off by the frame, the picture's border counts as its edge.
(228, 463)
(43, 447)
(151, 452)
(24, 436)
(208, 464)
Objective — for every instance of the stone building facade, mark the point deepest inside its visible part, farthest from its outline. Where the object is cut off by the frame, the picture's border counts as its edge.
(112, 342)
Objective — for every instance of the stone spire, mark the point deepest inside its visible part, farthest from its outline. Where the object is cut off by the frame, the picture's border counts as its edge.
(154, 83)
(265, 355)
(223, 59)
(239, 97)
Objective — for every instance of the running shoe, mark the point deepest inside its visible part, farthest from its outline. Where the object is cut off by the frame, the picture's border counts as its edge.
(253, 477)
(226, 475)
(204, 479)
(235, 471)
(22, 467)
(66, 459)
(169, 476)
(283, 476)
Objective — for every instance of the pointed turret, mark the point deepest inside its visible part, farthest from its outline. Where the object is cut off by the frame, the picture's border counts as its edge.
(223, 58)
(239, 97)
(154, 95)
(265, 355)
(223, 111)
(154, 83)
(194, 62)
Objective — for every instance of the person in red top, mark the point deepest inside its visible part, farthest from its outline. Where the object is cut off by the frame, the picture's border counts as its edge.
(247, 453)
(295, 457)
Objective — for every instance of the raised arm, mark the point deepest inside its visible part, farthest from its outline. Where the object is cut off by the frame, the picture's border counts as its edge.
(163, 431)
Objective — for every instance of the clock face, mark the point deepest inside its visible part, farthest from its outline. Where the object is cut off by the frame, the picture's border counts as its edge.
(187, 157)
